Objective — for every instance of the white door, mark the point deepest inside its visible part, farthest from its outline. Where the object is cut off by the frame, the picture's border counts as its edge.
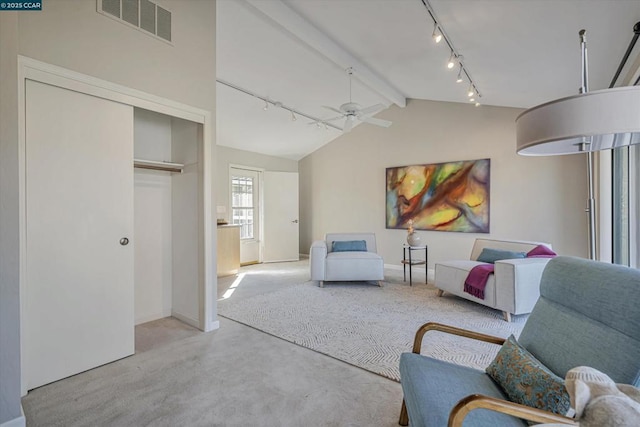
(245, 211)
(79, 205)
(281, 227)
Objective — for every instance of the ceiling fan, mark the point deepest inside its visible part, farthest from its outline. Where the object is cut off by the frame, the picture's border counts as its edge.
(352, 111)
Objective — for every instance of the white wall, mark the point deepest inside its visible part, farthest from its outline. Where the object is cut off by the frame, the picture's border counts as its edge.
(72, 34)
(186, 220)
(9, 224)
(230, 156)
(342, 185)
(152, 218)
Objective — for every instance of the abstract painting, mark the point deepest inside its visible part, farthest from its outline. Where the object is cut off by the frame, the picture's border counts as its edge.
(451, 196)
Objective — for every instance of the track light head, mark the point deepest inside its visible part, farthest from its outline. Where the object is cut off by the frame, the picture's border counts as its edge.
(266, 105)
(451, 62)
(460, 60)
(477, 104)
(471, 91)
(293, 117)
(437, 34)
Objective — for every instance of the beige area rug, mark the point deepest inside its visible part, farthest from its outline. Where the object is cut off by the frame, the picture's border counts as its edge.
(370, 327)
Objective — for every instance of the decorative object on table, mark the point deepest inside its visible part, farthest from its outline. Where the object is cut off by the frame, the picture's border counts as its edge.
(451, 196)
(576, 124)
(412, 238)
(599, 401)
(221, 213)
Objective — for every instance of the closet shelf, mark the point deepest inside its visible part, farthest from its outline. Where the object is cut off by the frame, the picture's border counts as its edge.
(159, 166)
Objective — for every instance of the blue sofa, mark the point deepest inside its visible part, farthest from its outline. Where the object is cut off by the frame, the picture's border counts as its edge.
(588, 314)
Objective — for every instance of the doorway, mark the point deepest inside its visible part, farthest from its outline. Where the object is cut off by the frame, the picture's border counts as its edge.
(246, 211)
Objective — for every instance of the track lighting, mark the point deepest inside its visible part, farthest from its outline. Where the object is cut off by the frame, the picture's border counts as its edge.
(472, 99)
(477, 104)
(455, 58)
(437, 35)
(294, 113)
(451, 62)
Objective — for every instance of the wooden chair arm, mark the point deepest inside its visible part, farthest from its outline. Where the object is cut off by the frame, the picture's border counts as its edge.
(477, 401)
(432, 326)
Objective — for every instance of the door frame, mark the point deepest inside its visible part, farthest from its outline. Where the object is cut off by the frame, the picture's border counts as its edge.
(260, 172)
(31, 69)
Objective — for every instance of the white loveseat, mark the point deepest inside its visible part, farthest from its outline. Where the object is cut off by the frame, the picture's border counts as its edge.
(514, 287)
(329, 266)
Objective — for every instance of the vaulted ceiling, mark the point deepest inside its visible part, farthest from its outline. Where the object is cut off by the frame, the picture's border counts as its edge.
(294, 53)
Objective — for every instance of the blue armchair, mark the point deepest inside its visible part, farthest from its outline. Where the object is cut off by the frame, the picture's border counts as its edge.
(588, 314)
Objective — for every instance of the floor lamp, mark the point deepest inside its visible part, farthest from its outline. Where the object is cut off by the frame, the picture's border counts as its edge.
(584, 123)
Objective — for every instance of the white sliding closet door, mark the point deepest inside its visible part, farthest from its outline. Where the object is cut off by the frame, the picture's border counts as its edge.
(79, 205)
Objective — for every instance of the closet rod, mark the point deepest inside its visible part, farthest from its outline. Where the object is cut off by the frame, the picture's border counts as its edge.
(159, 166)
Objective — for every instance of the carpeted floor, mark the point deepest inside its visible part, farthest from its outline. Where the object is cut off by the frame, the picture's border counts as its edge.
(368, 326)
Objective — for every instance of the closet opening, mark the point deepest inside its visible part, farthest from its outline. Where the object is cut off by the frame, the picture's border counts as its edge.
(167, 244)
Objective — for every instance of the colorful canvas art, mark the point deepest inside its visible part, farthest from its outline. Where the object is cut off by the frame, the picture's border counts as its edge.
(451, 196)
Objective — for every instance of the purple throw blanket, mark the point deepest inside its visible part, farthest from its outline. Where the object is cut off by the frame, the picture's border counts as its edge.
(477, 280)
(479, 275)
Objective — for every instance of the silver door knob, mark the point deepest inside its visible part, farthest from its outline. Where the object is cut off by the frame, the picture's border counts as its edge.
(124, 241)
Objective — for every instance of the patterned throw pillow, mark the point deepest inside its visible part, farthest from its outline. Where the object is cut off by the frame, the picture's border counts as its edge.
(525, 380)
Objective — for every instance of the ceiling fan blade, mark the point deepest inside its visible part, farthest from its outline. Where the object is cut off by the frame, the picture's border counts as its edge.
(333, 109)
(372, 110)
(377, 122)
(348, 125)
(333, 118)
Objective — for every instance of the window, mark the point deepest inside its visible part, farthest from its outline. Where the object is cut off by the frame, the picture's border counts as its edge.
(242, 206)
(626, 206)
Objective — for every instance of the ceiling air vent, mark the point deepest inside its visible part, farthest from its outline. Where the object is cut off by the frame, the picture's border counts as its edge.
(144, 15)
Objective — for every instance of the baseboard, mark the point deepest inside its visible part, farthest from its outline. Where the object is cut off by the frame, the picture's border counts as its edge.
(304, 256)
(393, 267)
(152, 317)
(20, 421)
(213, 326)
(186, 319)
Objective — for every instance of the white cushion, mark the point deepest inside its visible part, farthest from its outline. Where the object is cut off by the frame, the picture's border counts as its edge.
(349, 266)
